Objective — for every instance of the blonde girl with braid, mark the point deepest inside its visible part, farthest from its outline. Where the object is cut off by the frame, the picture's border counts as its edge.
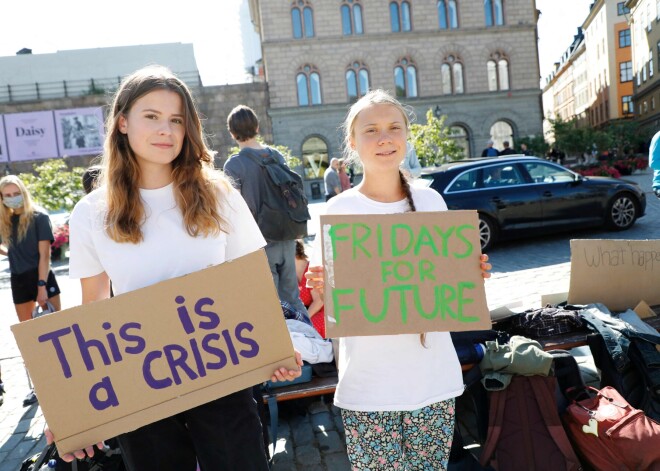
(396, 392)
(161, 212)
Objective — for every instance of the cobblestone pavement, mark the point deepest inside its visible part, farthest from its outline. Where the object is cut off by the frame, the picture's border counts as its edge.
(311, 433)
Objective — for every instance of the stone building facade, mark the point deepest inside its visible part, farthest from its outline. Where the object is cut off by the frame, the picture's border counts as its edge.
(475, 61)
(644, 18)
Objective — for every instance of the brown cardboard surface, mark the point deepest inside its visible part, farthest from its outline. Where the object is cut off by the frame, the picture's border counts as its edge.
(617, 273)
(210, 325)
(644, 311)
(403, 273)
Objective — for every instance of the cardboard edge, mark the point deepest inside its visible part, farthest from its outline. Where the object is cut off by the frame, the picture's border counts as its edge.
(170, 407)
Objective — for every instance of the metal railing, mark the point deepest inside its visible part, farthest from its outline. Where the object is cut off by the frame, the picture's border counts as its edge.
(16, 93)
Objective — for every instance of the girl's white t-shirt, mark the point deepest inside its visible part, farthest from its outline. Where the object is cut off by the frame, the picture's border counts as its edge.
(167, 250)
(393, 372)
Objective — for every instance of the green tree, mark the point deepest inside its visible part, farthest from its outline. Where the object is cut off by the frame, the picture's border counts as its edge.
(570, 138)
(535, 144)
(626, 138)
(53, 186)
(434, 142)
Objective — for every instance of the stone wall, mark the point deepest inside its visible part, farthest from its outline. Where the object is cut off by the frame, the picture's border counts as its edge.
(214, 104)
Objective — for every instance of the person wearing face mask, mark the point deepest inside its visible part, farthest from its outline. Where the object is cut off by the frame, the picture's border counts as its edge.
(25, 237)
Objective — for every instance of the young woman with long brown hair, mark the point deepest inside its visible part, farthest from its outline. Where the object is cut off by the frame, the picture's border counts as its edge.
(162, 212)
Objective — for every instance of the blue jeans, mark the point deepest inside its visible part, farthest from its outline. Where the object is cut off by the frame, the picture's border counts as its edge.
(282, 260)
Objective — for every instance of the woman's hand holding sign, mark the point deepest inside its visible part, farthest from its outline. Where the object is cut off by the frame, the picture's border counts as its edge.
(282, 374)
(77, 454)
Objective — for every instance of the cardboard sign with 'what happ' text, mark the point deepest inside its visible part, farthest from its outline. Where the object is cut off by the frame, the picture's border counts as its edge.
(112, 366)
(403, 273)
(617, 273)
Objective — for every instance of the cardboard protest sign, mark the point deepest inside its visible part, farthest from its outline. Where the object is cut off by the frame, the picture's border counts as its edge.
(403, 273)
(112, 366)
(617, 273)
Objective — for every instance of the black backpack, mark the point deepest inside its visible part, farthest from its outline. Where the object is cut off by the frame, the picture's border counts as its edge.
(283, 214)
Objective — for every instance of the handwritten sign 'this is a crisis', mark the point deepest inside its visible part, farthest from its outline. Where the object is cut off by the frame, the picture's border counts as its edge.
(403, 273)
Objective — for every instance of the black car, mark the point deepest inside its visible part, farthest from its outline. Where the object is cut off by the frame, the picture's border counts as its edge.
(520, 196)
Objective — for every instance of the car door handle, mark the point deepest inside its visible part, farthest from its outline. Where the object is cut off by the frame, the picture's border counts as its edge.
(496, 199)
(547, 193)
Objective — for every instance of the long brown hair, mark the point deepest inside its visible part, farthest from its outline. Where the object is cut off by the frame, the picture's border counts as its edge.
(24, 218)
(192, 170)
(377, 97)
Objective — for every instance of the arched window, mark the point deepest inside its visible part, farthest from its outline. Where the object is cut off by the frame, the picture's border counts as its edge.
(405, 78)
(400, 18)
(451, 73)
(351, 17)
(499, 132)
(494, 11)
(302, 19)
(357, 80)
(498, 72)
(448, 14)
(461, 137)
(314, 157)
(308, 83)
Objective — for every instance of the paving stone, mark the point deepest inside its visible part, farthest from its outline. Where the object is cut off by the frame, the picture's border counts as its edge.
(323, 421)
(24, 449)
(330, 442)
(283, 450)
(307, 455)
(302, 431)
(339, 424)
(337, 462)
(317, 407)
(10, 465)
(289, 465)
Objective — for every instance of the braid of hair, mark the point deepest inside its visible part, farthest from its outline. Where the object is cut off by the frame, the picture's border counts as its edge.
(405, 185)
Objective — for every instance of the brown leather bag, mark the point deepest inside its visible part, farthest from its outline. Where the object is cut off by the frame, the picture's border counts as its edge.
(610, 434)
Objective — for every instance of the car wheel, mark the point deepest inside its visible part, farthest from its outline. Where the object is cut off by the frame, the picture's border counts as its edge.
(487, 232)
(622, 212)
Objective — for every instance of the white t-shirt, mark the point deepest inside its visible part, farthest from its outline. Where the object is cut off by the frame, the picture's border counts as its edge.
(393, 372)
(167, 250)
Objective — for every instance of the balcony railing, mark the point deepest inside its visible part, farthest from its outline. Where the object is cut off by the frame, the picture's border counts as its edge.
(16, 93)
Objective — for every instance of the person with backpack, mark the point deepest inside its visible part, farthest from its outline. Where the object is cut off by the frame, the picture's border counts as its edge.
(252, 172)
(161, 212)
(396, 392)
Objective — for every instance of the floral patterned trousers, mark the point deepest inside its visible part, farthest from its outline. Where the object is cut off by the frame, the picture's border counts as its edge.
(410, 440)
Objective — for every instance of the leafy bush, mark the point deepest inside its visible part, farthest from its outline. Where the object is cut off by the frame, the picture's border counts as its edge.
(434, 142)
(53, 186)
